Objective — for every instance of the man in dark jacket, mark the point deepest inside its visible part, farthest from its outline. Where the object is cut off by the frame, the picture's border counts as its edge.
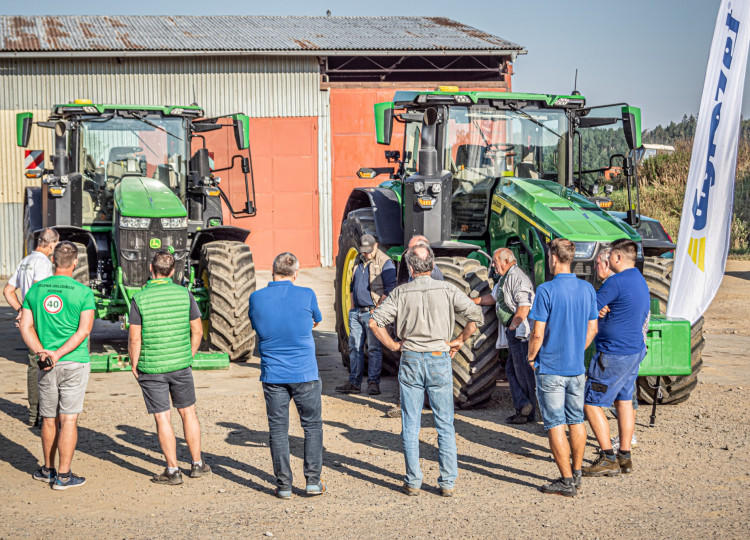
(165, 333)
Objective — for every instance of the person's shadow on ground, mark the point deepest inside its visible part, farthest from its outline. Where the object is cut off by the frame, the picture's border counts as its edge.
(356, 468)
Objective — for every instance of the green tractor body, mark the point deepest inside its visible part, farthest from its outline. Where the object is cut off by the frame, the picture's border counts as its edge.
(126, 184)
(484, 170)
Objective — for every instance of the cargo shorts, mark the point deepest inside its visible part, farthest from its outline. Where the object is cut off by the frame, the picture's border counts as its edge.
(62, 388)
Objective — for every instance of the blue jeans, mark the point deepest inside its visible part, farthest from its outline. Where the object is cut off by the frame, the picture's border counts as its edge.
(359, 327)
(431, 372)
(306, 398)
(519, 372)
(560, 399)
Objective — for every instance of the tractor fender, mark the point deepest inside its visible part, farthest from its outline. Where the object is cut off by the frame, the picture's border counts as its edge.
(386, 211)
(212, 234)
(77, 235)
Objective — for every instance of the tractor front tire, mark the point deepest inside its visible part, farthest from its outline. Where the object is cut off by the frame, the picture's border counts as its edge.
(658, 274)
(81, 272)
(228, 272)
(476, 365)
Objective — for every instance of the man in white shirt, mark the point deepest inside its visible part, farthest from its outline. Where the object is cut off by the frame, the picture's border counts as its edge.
(32, 268)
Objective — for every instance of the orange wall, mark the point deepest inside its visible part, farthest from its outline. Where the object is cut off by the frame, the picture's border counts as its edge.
(285, 166)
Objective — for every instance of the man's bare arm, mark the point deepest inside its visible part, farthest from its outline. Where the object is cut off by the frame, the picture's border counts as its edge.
(384, 337)
(28, 332)
(484, 300)
(134, 347)
(196, 334)
(536, 340)
(521, 313)
(9, 292)
(457, 343)
(85, 323)
(591, 331)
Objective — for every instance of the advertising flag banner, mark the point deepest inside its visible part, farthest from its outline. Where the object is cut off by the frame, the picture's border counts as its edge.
(706, 218)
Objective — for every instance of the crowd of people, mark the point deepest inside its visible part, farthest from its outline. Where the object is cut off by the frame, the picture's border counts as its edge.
(546, 330)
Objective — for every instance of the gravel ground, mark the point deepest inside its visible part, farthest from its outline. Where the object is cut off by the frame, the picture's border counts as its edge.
(692, 471)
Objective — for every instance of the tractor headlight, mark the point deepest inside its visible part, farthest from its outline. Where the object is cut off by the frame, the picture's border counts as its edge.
(639, 250)
(584, 250)
(135, 222)
(174, 222)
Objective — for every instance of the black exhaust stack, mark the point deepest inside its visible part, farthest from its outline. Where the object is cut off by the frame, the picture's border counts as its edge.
(427, 194)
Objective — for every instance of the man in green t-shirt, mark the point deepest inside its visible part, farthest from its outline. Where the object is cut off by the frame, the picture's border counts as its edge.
(58, 313)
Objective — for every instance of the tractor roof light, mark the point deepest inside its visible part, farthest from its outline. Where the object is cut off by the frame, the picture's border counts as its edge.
(462, 99)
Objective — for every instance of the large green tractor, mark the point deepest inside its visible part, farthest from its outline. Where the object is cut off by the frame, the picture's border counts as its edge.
(482, 170)
(128, 181)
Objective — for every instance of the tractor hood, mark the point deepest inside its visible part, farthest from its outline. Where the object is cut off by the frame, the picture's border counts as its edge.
(145, 197)
(558, 211)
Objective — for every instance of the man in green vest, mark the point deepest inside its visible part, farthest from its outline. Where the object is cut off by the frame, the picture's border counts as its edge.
(165, 333)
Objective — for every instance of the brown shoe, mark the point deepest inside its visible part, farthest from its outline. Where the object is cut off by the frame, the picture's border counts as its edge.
(446, 492)
(373, 388)
(393, 412)
(410, 491)
(348, 388)
(626, 464)
(167, 479)
(603, 466)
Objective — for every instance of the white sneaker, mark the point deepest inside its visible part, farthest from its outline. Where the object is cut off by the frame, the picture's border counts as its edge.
(616, 442)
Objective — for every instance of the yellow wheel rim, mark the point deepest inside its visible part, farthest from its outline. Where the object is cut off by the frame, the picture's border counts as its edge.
(346, 278)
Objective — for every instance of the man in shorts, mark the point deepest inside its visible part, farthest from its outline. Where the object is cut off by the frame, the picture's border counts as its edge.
(34, 267)
(165, 333)
(565, 318)
(624, 302)
(58, 314)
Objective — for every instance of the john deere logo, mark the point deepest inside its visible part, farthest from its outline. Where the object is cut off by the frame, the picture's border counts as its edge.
(154, 243)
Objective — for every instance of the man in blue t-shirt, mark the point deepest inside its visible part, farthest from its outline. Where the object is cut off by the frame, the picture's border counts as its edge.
(623, 302)
(283, 316)
(565, 316)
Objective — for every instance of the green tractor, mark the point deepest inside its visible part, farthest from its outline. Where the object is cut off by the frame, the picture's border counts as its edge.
(125, 184)
(483, 170)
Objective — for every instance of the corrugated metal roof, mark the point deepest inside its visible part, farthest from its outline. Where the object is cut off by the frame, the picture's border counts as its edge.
(254, 34)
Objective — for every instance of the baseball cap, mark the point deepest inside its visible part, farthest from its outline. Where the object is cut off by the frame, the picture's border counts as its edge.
(366, 243)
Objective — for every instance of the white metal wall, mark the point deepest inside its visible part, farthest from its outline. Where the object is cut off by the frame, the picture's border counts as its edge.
(258, 86)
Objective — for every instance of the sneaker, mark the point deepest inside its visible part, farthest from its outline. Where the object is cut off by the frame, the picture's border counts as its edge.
(45, 475)
(393, 412)
(446, 492)
(518, 419)
(373, 388)
(69, 481)
(603, 466)
(410, 491)
(559, 487)
(348, 388)
(526, 409)
(626, 464)
(197, 471)
(285, 494)
(616, 442)
(315, 489)
(168, 479)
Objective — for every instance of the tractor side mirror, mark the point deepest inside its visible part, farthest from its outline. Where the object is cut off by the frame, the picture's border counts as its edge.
(24, 121)
(631, 125)
(242, 131)
(384, 122)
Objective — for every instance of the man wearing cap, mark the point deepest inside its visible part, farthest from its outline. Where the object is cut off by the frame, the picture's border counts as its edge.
(374, 278)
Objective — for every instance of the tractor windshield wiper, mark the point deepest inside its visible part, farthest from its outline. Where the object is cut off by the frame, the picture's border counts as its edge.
(153, 125)
(527, 116)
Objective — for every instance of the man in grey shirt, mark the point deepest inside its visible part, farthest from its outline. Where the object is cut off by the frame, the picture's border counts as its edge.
(34, 267)
(425, 310)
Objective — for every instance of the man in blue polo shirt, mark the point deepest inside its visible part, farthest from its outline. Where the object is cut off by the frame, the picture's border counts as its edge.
(284, 315)
(623, 302)
(565, 318)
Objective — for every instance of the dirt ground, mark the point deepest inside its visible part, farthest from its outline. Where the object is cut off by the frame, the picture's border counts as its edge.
(691, 478)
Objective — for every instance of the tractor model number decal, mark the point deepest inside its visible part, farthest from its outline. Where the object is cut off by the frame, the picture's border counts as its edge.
(53, 304)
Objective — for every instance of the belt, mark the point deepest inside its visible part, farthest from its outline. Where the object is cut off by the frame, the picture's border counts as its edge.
(364, 309)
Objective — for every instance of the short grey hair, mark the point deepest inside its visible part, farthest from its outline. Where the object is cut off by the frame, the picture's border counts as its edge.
(420, 259)
(285, 264)
(505, 254)
(47, 237)
(604, 254)
(418, 240)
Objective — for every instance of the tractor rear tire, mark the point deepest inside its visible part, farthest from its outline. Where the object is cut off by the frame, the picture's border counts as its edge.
(476, 365)
(228, 272)
(81, 272)
(658, 274)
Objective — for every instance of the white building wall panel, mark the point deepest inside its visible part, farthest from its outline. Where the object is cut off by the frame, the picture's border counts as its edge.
(257, 86)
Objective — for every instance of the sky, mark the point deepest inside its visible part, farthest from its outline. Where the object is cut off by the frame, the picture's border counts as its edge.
(648, 53)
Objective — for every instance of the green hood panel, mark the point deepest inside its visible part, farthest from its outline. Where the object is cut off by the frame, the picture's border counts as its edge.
(145, 197)
(558, 211)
